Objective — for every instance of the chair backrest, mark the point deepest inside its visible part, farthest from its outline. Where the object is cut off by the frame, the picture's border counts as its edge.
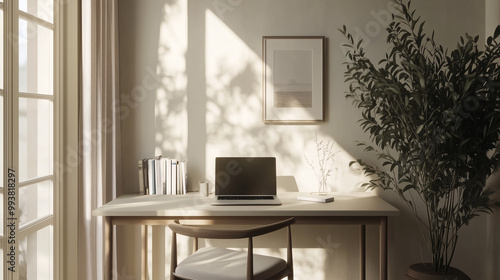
(217, 233)
(231, 233)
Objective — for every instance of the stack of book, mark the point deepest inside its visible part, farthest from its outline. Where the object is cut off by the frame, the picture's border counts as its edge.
(161, 175)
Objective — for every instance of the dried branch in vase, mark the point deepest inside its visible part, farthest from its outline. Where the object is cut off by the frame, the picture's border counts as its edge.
(325, 164)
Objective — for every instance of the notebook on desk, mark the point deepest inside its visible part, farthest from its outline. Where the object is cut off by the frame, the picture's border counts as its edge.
(245, 181)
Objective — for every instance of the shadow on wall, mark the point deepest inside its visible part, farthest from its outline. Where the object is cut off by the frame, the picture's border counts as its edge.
(200, 97)
(208, 99)
(170, 109)
(198, 94)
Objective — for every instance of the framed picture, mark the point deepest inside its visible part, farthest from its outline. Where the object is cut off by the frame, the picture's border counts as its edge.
(293, 69)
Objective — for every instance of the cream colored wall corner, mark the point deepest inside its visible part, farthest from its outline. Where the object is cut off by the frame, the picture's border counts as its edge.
(69, 88)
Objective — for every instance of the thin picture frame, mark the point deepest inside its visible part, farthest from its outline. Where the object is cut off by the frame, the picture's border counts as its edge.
(293, 79)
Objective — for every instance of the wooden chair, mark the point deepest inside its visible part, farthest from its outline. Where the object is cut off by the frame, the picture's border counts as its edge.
(211, 263)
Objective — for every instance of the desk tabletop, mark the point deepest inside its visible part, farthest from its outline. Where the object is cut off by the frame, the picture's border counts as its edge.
(192, 204)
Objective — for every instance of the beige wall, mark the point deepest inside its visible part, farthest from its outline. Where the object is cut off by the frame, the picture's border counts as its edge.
(66, 249)
(190, 78)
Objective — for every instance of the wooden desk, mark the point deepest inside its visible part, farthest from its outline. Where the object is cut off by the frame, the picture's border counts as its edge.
(354, 209)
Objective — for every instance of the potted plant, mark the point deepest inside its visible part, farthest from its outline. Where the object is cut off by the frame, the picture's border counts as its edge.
(433, 117)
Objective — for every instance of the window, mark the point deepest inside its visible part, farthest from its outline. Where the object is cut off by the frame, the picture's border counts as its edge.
(28, 100)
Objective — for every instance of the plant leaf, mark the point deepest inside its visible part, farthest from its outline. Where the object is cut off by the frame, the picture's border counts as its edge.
(497, 32)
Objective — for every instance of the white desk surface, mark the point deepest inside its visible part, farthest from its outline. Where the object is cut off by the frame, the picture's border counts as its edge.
(192, 204)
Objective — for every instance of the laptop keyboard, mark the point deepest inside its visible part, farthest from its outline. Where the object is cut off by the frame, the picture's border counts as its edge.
(245, 197)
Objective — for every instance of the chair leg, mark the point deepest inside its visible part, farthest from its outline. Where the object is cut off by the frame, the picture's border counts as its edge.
(250, 259)
(195, 245)
(289, 252)
(173, 256)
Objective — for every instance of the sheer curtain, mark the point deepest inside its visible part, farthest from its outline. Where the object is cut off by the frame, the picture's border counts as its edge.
(99, 129)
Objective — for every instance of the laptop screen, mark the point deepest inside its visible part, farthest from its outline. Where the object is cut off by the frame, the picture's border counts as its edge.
(245, 176)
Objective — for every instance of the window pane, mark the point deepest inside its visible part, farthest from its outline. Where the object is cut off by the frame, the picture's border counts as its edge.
(35, 201)
(1, 180)
(36, 256)
(1, 135)
(1, 257)
(35, 138)
(1, 254)
(43, 9)
(1, 97)
(1, 48)
(1, 214)
(36, 63)
(1, 171)
(1, 140)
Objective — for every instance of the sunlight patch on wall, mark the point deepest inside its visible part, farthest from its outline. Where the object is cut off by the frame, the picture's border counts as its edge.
(308, 263)
(343, 178)
(234, 125)
(171, 99)
(233, 91)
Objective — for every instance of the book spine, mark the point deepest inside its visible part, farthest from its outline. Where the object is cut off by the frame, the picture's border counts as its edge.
(158, 175)
(141, 178)
(163, 175)
(151, 176)
(145, 176)
(174, 177)
(184, 177)
(168, 179)
(179, 178)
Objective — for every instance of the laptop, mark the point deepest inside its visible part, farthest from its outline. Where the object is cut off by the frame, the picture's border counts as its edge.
(245, 181)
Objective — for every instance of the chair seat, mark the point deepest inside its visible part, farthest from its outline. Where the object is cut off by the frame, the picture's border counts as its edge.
(211, 263)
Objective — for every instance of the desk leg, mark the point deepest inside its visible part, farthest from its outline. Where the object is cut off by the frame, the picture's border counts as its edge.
(108, 248)
(362, 252)
(383, 248)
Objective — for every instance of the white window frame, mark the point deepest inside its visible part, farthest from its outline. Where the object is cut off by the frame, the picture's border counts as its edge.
(11, 134)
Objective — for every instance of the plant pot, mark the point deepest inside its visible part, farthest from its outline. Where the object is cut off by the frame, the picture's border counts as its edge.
(424, 271)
